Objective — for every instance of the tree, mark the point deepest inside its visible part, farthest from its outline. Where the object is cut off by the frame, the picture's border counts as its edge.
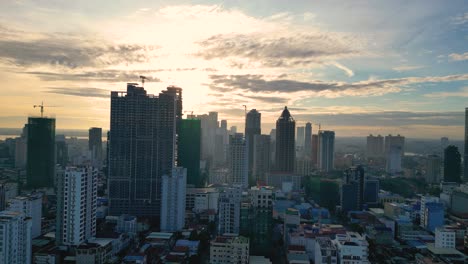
(452, 164)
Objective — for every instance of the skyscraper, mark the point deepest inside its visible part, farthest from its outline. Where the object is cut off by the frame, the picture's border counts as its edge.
(173, 200)
(15, 241)
(452, 164)
(261, 157)
(308, 141)
(465, 156)
(252, 128)
(300, 136)
(375, 146)
(209, 126)
(285, 142)
(315, 143)
(189, 149)
(76, 205)
(95, 146)
(238, 160)
(41, 152)
(352, 189)
(394, 151)
(398, 141)
(142, 148)
(433, 169)
(326, 150)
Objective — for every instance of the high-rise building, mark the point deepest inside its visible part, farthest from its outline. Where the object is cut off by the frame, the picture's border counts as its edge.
(352, 189)
(452, 164)
(209, 126)
(189, 150)
(285, 142)
(371, 191)
(425, 200)
(261, 221)
(41, 152)
(326, 150)
(393, 159)
(30, 206)
(21, 149)
(238, 160)
(397, 140)
(142, 148)
(3, 200)
(95, 146)
(433, 216)
(229, 210)
(315, 154)
(61, 151)
(465, 155)
(252, 128)
(300, 136)
(308, 141)
(261, 157)
(76, 205)
(375, 146)
(15, 238)
(173, 200)
(433, 169)
(233, 130)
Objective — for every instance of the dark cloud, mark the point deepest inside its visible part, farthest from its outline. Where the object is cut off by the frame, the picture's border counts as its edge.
(266, 99)
(259, 84)
(386, 118)
(100, 75)
(66, 50)
(80, 91)
(298, 49)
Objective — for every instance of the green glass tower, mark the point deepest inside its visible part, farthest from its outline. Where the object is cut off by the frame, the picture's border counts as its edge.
(189, 147)
(41, 152)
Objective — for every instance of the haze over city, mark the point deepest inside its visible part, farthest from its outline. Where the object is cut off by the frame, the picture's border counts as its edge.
(353, 66)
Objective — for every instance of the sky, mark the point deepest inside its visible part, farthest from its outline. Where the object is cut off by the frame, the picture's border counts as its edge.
(355, 67)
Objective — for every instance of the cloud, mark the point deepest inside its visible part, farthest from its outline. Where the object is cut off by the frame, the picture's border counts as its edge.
(266, 99)
(260, 84)
(283, 49)
(98, 76)
(459, 57)
(67, 50)
(347, 70)
(404, 68)
(79, 91)
(461, 93)
(460, 19)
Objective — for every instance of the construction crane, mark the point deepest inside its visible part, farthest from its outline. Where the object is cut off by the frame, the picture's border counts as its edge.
(191, 112)
(320, 126)
(143, 78)
(42, 108)
(245, 109)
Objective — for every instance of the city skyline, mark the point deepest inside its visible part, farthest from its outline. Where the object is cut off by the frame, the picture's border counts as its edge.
(402, 72)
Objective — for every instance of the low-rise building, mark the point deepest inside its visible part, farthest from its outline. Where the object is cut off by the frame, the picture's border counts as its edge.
(325, 251)
(229, 249)
(445, 238)
(352, 248)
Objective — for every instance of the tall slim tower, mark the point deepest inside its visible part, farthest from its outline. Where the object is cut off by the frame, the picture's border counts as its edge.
(308, 141)
(95, 146)
(300, 136)
(252, 128)
(238, 160)
(326, 150)
(261, 157)
(189, 149)
(41, 152)
(465, 154)
(142, 148)
(285, 142)
(173, 200)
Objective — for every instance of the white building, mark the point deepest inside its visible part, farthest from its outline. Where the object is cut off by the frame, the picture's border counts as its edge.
(206, 201)
(352, 248)
(445, 238)
(424, 201)
(76, 205)
(30, 206)
(229, 210)
(238, 169)
(173, 200)
(15, 238)
(325, 251)
(229, 249)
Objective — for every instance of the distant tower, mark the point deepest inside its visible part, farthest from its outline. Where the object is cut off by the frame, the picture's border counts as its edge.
(285, 142)
(326, 150)
(308, 141)
(41, 152)
(465, 156)
(375, 146)
(261, 157)
(95, 146)
(252, 128)
(238, 160)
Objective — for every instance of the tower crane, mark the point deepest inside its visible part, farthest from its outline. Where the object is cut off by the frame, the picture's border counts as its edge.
(245, 109)
(42, 108)
(319, 125)
(143, 78)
